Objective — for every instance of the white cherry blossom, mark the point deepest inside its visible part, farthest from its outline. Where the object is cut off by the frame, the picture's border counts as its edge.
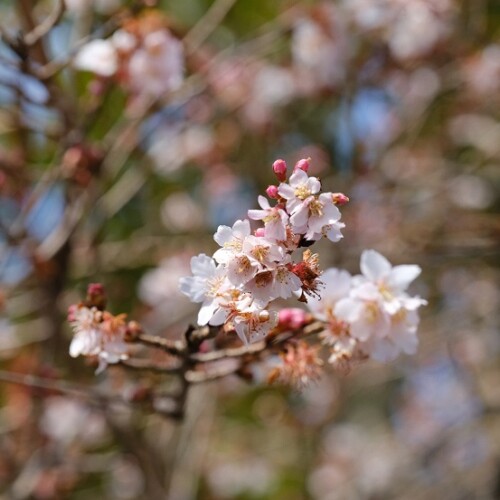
(99, 57)
(207, 285)
(275, 219)
(269, 285)
(390, 280)
(98, 334)
(263, 251)
(231, 240)
(299, 188)
(158, 66)
(87, 338)
(336, 285)
(365, 312)
(253, 324)
(314, 215)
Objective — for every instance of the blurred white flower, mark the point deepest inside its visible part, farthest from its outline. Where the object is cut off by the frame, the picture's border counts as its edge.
(65, 420)
(98, 333)
(320, 51)
(174, 145)
(482, 72)
(97, 56)
(158, 66)
(181, 213)
(160, 286)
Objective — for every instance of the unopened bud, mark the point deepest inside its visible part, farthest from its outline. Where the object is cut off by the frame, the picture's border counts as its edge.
(293, 318)
(260, 232)
(72, 312)
(132, 331)
(340, 199)
(96, 296)
(303, 165)
(272, 192)
(279, 168)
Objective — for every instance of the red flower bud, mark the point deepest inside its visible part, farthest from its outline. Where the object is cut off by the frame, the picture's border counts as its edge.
(279, 168)
(272, 192)
(303, 164)
(340, 199)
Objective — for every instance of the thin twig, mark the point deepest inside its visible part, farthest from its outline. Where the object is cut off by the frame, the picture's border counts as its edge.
(197, 377)
(173, 347)
(232, 352)
(146, 365)
(207, 24)
(45, 26)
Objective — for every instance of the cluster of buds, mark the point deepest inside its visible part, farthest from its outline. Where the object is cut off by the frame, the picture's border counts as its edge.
(251, 269)
(143, 56)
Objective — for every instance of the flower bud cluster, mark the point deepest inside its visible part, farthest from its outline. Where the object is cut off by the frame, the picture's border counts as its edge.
(250, 270)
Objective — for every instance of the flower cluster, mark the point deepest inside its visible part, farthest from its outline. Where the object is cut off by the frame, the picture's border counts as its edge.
(97, 333)
(251, 269)
(368, 315)
(143, 55)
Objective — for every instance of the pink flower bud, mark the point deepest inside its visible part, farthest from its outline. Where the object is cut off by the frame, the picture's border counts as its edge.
(260, 232)
(340, 199)
(292, 318)
(302, 165)
(272, 192)
(96, 296)
(72, 311)
(279, 168)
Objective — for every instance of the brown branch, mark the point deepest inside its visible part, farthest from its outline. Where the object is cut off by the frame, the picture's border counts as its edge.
(146, 365)
(232, 352)
(45, 26)
(173, 347)
(197, 377)
(207, 24)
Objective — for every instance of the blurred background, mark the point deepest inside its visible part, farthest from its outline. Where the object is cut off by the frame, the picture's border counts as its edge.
(118, 164)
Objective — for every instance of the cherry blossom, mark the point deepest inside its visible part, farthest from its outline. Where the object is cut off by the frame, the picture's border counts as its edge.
(98, 333)
(158, 66)
(99, 57)
(299, 188)
(231, 240)
(207, 285)
(275, 219)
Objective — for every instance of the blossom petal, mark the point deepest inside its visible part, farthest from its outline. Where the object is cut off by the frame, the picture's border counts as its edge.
(223, 235)
(206, 312)
(400, 277)
(374, 265)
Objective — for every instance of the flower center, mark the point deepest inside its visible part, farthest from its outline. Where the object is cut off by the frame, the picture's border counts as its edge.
(372, 312)
(273, 216)
(235, 245)
(263, 279)
(316, 208)
(385, 292)
(214, 285)
(260, 253)
(302, 192)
